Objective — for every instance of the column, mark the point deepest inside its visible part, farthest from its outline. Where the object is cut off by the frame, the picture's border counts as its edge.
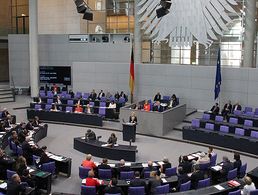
(137, 35)
(33, 45)
(250, 31)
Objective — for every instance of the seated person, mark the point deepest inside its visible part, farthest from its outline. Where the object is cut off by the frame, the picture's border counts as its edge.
(71, 93)
(146, 106)
(182, 177)
(28, 150)
(108, 95)
(2, 126)
(211, 152)
(149, 168)
(14, 186)
(90, 180)
(29, 125)
(36, 122)
(93, 95)
(215, 109)
(196, 176)
(112, 104)
(90, 135)
(14, 138)
(203, 159)
(21, 165)
(22, 135)
(101, 94)
(166, 164)
(237, 106)
(88, 162)
(5, 113)
(4, 163)
(78, 109)
(43, 156)
(173, 102)
(154, 182)
(104, 164)
(122, 95)
(237, 163)
(122, 167)
(116, 95)
(227, 109)
(137, 181)
(55, 108)
(133, 118)
(8, 121)
(26, 177)
(157, 97)
(88, 109)
(157, 107)
(249, 186)
(112, 188)
(58, 100)
(112, 139)
(185, 164)
(226, 167)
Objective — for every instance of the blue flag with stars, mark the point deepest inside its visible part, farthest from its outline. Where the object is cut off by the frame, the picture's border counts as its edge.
(218, 77)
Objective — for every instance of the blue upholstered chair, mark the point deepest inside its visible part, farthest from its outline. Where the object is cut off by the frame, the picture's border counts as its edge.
(254, 192)
(83, 172)
(70, 102)
(35, 159)
(19, 151)
(240, 131)
(78, 95)
(213, 159)
(248, 123)
(49, 167)
(170, 171)
(238, 192)
(88, 190)
(126, 175)
(37, 107)
(50, 101)
(102, 104)
(69, 109)
(105, 173)
(162, 189)
(233, 120)
(136, 190)
(224, 129)
(232, 174)
(195, 123)
(48, 107)
(209, 126)
(102, 111)
(248, 109)
(185, 186)
(242, 170)
(85, 96)
(206, 116)
(254, 134)
(204, 183)
(9, 173)
(219, 118)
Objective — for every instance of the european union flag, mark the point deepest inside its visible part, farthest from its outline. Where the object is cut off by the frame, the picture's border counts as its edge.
(218, 77)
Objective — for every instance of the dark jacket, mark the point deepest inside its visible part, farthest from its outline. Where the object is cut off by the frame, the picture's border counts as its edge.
(195, 177)
(113, 190)
(14, 188)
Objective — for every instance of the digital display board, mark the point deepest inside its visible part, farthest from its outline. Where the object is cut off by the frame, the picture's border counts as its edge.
(55, 74)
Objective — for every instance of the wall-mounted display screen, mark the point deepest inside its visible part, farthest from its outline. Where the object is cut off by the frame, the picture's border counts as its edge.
(55, 74)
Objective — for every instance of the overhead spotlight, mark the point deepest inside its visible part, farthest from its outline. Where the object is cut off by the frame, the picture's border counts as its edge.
(84, 9)
(164, 9)
(88, 15)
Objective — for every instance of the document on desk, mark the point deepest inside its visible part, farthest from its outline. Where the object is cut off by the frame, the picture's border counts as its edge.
(104, 145)
(154, 164)
(112, 165)
(3, 185)
(57, 158)
(191, 157)
(128, 164)
(219, 187)
(160, 163)
(145, 165)
(217, 168)
(1, 136)
(164, 180)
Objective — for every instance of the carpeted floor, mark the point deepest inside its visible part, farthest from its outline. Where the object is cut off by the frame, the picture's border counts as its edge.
(60, 141)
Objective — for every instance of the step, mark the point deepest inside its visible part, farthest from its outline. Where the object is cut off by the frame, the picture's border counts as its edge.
(6, 96)
(6, 93)
(6, 100)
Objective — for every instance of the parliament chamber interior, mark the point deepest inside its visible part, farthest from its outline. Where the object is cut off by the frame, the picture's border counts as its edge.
(128, 97)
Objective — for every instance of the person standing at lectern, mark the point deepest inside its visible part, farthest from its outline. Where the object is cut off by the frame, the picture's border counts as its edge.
(90, 135)
(133, 118)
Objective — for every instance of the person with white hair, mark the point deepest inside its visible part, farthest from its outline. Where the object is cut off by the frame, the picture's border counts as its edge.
(249, 186)
(14, 186)
(88, 162)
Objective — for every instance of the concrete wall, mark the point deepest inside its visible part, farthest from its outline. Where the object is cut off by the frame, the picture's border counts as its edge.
(106, 66)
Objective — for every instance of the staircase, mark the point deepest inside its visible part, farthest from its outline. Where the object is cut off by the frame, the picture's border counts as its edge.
(6, 94)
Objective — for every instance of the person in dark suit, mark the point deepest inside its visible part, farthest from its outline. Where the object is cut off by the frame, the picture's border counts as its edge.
(154, 182)
(36, 121)
(6, 162)
(117, 95)
(215, 109)
(226, 167)
(93, 95)
(5, 113)
(182, 177)
(43, 156)
(173, 102)
(8, 121)
(185, 164)
(112, 139)
(133, 118)
(22, 135)
(112, 188)
(71, 93)
(150, 168)
(122, 95)
(14, 186)
(237, 106)
(166, 164)
(122, 167)
(137, 181)
(20, 165)
(26, 177)
(27, 150)
(227, 109)
(196, 176)
(157, 97)
(101, 94)
(29, 125)
(104, 164)
(158, 107)
(14, 138)
(90, 135)
(237, 163)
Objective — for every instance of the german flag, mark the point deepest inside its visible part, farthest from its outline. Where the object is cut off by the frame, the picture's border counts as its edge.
(131, 80)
